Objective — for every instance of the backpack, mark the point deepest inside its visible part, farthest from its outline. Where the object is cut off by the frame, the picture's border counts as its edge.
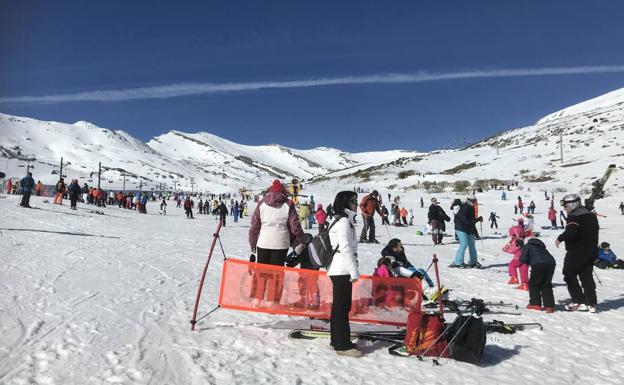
(423, 334)
(467, 339)
(320, 248)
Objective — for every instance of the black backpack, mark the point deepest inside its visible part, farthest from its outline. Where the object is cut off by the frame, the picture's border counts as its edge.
(320, 249)
(467, 340)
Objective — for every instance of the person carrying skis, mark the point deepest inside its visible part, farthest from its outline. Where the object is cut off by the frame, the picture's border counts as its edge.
(542, 264)
(369, 205)
(304, 211)
(493, 217)
(436, 217)
(514, 247)
(581, 243)
(27, 183)
(465, 229)
(343, 271)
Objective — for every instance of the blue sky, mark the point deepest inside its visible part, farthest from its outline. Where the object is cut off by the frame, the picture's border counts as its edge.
(256, 72)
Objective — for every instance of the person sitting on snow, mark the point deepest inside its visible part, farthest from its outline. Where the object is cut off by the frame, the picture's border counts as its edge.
(401, 267)
(607, 258)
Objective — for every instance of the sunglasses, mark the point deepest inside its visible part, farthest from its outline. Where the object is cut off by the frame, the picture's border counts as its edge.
(354, 201)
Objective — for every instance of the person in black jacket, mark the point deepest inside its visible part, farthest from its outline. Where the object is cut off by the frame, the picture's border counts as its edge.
(223, 212)
(466, 230)
(74, 191)
(437, 217)
(542, 264)
(581, 243)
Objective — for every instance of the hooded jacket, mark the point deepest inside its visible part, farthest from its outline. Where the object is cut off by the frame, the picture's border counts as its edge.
(535, 253)
(465, 219)
(273, 223)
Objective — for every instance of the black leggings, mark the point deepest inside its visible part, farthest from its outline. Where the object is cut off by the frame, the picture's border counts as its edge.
(341, 305)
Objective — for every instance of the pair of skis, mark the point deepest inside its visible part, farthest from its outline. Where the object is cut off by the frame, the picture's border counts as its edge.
(397, 336)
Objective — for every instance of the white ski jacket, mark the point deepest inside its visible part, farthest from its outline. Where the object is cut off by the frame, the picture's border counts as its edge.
(343, 236)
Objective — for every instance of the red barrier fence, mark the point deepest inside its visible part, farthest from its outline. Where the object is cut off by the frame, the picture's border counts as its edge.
(281, 290)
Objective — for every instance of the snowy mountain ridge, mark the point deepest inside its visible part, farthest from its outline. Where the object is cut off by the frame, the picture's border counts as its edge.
(592, 131)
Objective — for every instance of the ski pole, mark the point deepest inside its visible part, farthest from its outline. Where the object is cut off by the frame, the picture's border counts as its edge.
(597, 277)
(435, 360)
(481, 226)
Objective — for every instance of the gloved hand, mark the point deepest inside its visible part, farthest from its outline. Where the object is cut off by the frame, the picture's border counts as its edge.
(480, 219)
(252, 257)
(299, 248)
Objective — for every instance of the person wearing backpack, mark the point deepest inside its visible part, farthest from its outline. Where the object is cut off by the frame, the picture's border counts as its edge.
(273, 224)
(343, 271)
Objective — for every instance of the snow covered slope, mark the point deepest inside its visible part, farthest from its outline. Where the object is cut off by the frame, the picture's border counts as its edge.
(174, 160)
(593, 137)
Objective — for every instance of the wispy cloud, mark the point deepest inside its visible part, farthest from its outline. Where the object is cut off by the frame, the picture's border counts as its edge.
(188, 89)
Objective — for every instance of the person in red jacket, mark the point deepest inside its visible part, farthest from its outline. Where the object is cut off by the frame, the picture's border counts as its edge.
(368, 206)
(552, 217)
(321, 217)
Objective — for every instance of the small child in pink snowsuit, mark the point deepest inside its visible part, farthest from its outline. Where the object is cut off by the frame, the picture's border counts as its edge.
(384, 270)
(514, 247)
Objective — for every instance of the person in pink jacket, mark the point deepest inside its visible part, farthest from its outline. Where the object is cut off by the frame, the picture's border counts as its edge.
(321, 217)
(514, 247)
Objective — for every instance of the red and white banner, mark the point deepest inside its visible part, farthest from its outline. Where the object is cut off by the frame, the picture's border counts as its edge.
(299, 292)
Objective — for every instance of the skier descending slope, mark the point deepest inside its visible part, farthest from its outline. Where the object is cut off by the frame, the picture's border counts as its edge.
(581, 243)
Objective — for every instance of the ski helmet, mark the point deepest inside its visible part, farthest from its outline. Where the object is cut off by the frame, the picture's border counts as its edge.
(571, 201)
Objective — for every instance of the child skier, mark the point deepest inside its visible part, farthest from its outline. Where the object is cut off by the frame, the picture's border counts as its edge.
(492, 220)
(514, 247)
(542, 264)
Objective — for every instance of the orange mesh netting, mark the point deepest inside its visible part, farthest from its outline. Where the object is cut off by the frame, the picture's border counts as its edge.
(290, 291)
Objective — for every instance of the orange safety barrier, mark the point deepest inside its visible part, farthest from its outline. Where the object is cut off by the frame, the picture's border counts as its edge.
(281, 290)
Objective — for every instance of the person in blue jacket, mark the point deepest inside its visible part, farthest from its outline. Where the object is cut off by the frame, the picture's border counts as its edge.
(27, 184)
(607, 258)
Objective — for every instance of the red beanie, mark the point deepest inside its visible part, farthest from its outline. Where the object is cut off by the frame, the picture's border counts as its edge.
(277, 187)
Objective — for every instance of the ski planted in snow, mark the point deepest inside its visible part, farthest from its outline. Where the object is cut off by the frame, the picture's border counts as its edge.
(598, 188)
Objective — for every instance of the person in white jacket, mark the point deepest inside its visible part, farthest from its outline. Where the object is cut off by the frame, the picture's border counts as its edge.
(343, 271)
